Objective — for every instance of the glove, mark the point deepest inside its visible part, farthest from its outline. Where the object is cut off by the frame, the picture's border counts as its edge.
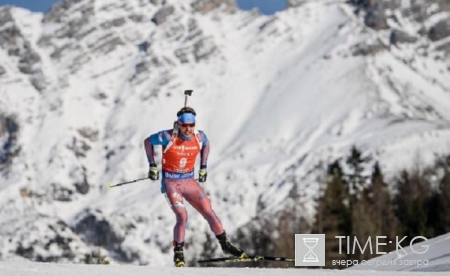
(153, 172)
(202, 174)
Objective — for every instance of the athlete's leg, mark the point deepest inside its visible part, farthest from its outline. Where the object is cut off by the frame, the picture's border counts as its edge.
(197, 197)
(173, 193)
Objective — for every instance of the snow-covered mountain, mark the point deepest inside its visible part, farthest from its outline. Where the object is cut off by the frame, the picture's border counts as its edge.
(278, 96)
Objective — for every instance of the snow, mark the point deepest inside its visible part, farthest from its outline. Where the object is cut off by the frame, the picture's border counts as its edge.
(437, 255)
(279, 96)
(413, 258)
(48, 269)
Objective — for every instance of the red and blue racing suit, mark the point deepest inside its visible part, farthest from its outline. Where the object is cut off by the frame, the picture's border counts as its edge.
(178, 181)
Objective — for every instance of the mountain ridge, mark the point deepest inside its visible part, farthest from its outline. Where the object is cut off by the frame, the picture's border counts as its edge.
(278, 96)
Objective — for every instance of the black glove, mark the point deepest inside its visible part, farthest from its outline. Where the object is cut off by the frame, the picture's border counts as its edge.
(202, 174)
(153, 172)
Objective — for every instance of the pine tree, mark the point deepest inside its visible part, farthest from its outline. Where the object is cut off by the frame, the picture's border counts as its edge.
(435, 214)
(382, 208)
(372, 216)
(439, 212)
(355, 178)
(290, 221)
(444, 188)
(364, 226)
(333, 216)
(410, 204)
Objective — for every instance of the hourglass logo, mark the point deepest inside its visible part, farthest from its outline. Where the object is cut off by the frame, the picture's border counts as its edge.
(310, 250)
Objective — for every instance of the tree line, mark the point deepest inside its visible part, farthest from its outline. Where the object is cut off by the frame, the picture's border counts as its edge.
(356, 201)
(362, 207)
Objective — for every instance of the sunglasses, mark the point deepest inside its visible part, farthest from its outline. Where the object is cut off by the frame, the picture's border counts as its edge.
(187, 125)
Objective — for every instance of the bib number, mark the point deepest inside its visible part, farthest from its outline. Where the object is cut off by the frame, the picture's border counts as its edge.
(183, 162)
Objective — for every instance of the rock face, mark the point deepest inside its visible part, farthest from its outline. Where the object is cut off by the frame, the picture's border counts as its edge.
(162, 14)
(400, 37)
(440, 31)
(205, 6)
(9, 131)
(95, 229)
(383, 15)
(59, 243)
(20, 48)
(376, 19)
(294, 3)
(368, 49)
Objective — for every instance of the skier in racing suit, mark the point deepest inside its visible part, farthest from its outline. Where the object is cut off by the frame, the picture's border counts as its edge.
(181, 146)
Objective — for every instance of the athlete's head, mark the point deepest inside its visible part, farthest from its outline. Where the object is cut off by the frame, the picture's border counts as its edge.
(186, 121)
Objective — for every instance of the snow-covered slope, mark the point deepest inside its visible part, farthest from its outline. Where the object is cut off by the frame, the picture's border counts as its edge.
(436, 259)
(431, 255)
(82, 86)
(51, 269)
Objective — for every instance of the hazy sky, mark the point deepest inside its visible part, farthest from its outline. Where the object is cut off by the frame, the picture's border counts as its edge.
(34, 5)
(265, 6)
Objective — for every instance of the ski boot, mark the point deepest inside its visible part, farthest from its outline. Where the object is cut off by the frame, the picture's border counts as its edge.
(178, 256)
(228, 248)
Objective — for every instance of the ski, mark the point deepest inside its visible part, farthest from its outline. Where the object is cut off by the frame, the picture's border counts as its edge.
(256, 258)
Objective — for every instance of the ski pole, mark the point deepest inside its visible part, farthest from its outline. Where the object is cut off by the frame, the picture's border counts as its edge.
(110, 185)
(186, 94)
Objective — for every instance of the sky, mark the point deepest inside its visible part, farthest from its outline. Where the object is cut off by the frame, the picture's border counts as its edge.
(265, 6)
(34, 5)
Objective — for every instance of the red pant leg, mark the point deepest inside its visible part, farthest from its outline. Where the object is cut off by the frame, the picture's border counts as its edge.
(196, 196)
(174, 196)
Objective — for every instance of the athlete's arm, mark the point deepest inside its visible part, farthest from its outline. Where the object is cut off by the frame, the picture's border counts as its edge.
(161, 138)
(204, 152)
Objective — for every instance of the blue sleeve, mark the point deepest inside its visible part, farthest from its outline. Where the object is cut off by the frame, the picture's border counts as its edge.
(161, 138)
(204, 152)
(204, 138)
